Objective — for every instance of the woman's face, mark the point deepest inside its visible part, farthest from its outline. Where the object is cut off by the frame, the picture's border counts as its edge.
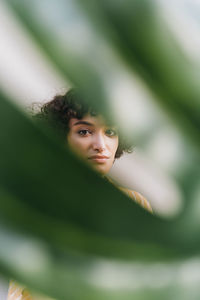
(94, 141)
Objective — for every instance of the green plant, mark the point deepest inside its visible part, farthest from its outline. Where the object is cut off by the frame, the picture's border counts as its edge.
(62, 240)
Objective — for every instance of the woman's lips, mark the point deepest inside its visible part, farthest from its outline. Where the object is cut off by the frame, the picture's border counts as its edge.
(99, 158)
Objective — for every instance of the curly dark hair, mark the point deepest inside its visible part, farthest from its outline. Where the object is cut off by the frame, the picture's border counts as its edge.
(62, 108)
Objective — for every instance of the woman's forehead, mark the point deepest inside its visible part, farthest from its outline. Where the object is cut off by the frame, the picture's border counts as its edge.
(97, 121)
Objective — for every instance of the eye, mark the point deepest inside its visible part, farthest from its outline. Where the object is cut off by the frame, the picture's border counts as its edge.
(111, 132)
(84, 132)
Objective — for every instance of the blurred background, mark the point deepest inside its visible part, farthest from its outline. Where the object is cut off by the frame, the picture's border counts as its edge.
(156, 102)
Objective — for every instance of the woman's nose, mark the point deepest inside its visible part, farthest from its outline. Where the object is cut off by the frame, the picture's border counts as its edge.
(99, 143)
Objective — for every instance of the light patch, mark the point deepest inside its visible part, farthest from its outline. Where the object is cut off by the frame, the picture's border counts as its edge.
(25, 254)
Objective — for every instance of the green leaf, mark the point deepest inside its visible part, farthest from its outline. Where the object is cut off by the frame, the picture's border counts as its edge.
(140, 34)
(53, 203)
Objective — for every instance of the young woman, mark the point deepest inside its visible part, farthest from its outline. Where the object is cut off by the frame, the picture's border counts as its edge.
(87, 134)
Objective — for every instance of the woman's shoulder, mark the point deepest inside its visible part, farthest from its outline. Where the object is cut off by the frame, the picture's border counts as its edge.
(135, 196)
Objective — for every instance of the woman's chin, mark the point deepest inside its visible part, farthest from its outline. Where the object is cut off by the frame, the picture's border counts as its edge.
(101, 168)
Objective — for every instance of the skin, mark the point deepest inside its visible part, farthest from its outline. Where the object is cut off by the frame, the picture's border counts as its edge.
(93, 141)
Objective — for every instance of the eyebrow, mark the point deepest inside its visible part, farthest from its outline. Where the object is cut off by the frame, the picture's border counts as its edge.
(90, 124)
(83, 123)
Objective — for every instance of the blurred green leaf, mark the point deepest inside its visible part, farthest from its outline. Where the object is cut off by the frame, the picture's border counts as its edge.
(45, 32)
(54, 204)
(40, 173)
(141, 36)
